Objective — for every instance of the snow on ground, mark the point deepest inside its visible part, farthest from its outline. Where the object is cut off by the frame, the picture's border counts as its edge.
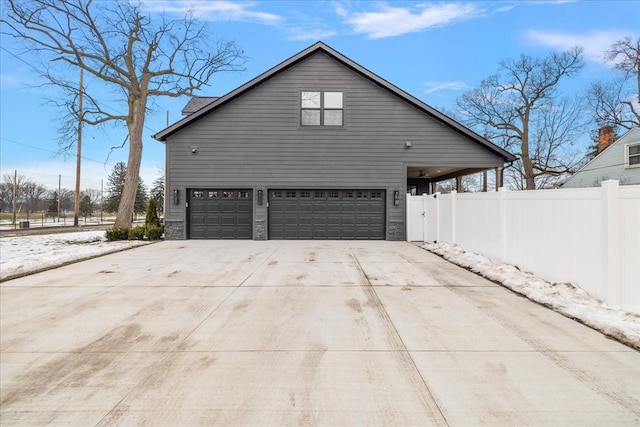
(26, 254)
(565, 298)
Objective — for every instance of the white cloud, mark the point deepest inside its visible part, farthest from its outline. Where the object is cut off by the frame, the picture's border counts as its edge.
(393, 21)
(299, 33)
(504, 8)
(431, 87)
(594, 44)
(553, 1)
(216, 10)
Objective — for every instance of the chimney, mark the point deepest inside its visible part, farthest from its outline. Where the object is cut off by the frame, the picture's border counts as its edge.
(605, 137)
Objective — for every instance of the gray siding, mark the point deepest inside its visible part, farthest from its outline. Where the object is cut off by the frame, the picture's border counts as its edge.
(610, 164)
(255, 141)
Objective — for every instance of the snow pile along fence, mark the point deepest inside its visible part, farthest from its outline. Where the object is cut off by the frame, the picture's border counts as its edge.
(586, 236)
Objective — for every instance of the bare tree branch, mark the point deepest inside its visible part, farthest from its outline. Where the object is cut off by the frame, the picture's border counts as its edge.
(121, 49)
(517, 108)
(617, 102)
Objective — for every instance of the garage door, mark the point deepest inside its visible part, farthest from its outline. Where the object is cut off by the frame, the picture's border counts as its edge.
(326, 214)
(220, 214)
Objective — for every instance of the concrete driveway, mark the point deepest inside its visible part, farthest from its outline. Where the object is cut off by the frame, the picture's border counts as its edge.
(297, 333)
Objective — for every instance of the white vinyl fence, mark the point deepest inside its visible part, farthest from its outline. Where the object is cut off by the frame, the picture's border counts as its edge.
(586, 236)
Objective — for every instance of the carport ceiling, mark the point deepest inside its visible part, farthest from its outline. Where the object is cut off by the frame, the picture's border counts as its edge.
(434, 172)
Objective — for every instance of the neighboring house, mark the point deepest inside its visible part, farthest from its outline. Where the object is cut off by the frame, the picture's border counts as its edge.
(618, 159)
(317, 147)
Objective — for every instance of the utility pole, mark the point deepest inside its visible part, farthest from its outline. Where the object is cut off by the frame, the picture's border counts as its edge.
(15, 195)
(101, 199)
(59, 195)
(76, 212)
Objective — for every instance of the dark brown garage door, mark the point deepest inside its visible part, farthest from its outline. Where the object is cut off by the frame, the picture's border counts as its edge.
(326, 214)
(220, 214)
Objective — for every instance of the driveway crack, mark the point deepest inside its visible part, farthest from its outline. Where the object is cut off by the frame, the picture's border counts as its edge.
(395, 339)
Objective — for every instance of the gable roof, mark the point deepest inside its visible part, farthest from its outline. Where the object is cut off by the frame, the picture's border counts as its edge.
(632, 136)
(321, 47)
(196, 103)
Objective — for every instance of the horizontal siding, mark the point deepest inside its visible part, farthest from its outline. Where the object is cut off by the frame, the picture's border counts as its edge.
(610, 164)
(256, 141)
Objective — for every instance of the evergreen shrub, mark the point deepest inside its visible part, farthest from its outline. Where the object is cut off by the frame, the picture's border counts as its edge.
(152, 219)
(136, 233)
(154, 232)
(117, 233)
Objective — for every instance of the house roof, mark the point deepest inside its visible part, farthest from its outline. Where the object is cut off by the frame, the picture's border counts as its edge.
(321, 47)
(196, 103)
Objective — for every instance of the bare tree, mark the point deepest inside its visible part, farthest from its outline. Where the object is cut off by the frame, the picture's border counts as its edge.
(33, 194)
(134, 55)
(6, 196)
(518, 108)
(617, 102)
(94, 197)
(13, 188)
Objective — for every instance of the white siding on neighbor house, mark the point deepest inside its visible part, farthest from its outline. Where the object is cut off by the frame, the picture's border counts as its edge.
(610, 164)
(586, 236)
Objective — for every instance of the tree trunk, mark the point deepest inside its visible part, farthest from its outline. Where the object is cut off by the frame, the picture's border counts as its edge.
(124, 217)
(530, 180)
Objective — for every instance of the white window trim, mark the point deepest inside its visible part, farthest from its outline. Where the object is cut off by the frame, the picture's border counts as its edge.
(627, 155)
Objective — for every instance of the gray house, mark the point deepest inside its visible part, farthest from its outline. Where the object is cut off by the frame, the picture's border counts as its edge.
(318, 147)
(617, 160)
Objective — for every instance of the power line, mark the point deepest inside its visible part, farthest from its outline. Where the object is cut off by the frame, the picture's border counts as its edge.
(48, 151)
(100, 103)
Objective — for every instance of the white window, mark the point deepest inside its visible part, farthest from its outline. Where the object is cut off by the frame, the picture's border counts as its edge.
(321, 108)
(632, 155)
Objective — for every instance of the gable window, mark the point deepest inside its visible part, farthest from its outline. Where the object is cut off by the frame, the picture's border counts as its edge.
(322, 109)
(632, 155)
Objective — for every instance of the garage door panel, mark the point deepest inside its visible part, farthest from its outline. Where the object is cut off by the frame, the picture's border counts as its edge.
(326, 214)
(210, 220)
(220, 214)
(304, 222)
(244, 221)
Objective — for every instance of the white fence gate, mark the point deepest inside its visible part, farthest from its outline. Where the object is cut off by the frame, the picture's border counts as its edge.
(586, 236)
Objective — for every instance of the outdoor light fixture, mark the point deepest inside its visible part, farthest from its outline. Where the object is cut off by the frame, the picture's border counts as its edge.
(396, 198)
(260, 197)
(421, 174)
(194, 149)
(176, 196)
(407, 144)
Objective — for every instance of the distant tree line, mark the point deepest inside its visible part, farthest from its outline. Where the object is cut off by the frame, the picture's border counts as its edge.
(32, 197)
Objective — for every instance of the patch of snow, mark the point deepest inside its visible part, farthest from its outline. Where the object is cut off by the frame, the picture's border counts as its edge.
(25, 254)
(565, 298)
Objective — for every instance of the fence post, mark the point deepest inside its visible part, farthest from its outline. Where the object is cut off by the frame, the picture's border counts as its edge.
(425, 196)
(611, 239)
(408, 219)
(438, 215)
(454, 235)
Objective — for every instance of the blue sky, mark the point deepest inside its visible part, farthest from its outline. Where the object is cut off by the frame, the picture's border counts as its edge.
(433, 50)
